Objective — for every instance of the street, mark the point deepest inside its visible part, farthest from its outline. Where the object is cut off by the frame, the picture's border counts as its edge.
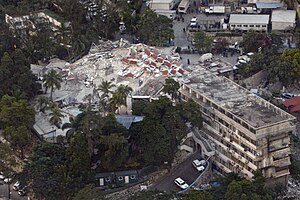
(184, 170)
(4, 192)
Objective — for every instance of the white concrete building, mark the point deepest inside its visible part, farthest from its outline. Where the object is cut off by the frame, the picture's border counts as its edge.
(283, 20)
(245, 22)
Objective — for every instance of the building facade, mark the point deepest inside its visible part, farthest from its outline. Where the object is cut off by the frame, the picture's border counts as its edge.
(283, 20)
(241, 132)
(247, 22)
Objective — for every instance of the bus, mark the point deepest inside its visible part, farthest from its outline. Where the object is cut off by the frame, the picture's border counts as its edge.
(183, 6)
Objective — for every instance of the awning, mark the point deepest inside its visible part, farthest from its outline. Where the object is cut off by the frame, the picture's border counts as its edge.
(268, 5)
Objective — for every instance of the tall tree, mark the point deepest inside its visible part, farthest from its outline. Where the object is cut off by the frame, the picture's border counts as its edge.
(171, 87)
(53, 81)
(105, 87)
(154, 29)
(120, 95)
(55, 116)
(202, 42)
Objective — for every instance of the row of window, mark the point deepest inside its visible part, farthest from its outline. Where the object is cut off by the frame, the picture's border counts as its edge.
(120, 178)
(246, 26)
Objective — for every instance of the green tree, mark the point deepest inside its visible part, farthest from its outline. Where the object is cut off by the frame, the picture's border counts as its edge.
(252, 41)
(78, 164)
(105, 87)
(171, 87)
(43, 103)
(154, 29)
(190, 112)
(119, 96)
(202, 42)
(43, 173)
(55, 117)
(74, 125)
(53, 81)
(115, 151)
(220, 45)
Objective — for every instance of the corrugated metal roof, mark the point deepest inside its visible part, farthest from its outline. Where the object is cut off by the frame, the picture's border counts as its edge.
(127, 120)
(283, 16)
(248, 19)
(268, 5)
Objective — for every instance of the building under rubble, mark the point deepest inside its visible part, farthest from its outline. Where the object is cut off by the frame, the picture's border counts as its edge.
(241, 131)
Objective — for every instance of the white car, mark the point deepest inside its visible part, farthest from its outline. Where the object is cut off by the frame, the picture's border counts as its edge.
(16, 186)
(2, 177)
(7, 180)
(181, 183)
(199, 165)
(194, 22)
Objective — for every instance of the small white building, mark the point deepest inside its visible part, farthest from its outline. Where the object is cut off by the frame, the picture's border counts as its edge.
(162, 4)
(283, 20)
(246, 22)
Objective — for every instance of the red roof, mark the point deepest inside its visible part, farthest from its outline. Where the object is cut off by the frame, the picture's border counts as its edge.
(130, 75)
(132, 62)
(147, 51)
(153, 63)
(181, 71)
(165, 73)
(132, 56)
(295, 108)
(154, 56)
(156, 51)
(140, 55)
(168, 64)
(292, 102)
(159, 59)
(173, 71)
(125, 60)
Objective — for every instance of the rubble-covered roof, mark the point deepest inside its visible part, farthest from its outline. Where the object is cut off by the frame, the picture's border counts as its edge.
(237, 100)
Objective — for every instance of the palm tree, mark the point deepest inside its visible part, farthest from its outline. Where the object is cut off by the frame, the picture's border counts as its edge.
(52, 79)
(74, 125)
(120, 95)
(43, 102)
(106, 87)
(56, 116)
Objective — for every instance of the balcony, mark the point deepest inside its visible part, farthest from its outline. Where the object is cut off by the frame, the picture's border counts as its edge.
(281, 153)
(281, 173)
(282, 162)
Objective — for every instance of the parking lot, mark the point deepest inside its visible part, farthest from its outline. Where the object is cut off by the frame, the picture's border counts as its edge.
(185, 170)
(183, 38)
(4, 192)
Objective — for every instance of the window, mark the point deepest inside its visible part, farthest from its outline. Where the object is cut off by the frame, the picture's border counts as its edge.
(120, 178)
(263, 25)
(245, 25)
(232, 25)
(239, 25)
(257, 25)
(107, 179)
(251, 25)
(132, 177)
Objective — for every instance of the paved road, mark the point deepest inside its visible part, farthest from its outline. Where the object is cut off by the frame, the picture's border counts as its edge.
(4, 192)
(185, 170)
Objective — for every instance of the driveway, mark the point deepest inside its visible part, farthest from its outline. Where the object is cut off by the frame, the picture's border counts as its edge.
(4, 192)
(184, 170)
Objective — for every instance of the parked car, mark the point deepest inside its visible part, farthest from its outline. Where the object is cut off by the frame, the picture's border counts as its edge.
(7, 180)
(287, 95)
(181, 183)
(22, 191)
(199, 165)
(194, 22)
(16, 186)
(2, 177)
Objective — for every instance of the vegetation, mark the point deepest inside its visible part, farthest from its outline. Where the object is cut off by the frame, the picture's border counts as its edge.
(52, 80)
(154, 29)
(202, 42)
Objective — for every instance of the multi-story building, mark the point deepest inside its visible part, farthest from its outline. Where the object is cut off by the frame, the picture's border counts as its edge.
(241, 131)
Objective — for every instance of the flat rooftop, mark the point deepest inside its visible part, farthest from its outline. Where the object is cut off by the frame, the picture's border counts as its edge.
(235, 99)
(288, 16)
(248, 19)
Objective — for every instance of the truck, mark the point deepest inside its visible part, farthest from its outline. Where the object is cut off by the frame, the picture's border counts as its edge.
(215, 10)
